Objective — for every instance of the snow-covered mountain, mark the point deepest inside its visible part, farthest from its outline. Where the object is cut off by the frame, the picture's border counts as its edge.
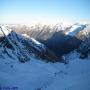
(75, 29)
(22, 56)
(22, 47)
(56, 39)
(65, 40)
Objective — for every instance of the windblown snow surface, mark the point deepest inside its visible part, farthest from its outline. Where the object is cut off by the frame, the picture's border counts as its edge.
(38, 75)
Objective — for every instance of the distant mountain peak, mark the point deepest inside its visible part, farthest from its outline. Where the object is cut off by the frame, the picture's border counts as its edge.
(75, 29)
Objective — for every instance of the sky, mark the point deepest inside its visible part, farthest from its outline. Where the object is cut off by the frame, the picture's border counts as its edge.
(44, 11)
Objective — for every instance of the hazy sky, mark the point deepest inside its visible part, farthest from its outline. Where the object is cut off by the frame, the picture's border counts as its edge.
(43, 11)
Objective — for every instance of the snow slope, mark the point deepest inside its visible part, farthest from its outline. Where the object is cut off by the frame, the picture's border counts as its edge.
(18, 46)
(75, 29)
(5, 30)
(38, 75)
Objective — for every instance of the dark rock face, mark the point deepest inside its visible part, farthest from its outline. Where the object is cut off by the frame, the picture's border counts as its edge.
(57, 40)
(60, 43)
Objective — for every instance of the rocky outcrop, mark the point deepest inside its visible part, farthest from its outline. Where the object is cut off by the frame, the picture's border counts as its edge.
(23, 48)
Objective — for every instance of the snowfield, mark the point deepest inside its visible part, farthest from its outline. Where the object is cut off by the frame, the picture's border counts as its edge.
(38, 75)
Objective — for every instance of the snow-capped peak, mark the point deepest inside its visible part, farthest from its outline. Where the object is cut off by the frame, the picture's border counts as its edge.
(4, 31)
(76, 28)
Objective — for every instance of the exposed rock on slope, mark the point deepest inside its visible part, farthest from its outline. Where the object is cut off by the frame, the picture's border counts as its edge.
(58, 39)
(18, 46)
